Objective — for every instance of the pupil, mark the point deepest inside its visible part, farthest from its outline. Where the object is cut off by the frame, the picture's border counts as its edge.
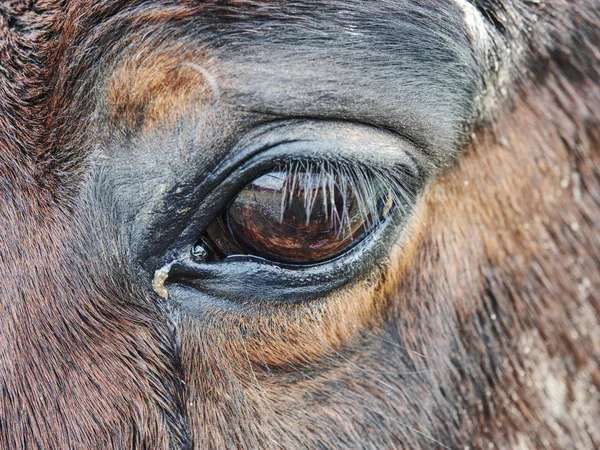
(300, 216)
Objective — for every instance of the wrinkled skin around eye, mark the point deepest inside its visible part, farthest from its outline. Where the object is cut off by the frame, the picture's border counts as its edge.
(298, 218)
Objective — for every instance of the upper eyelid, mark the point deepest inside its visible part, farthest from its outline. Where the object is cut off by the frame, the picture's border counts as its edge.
(300, 131)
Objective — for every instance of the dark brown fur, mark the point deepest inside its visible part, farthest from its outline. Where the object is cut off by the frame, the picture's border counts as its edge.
(498, 290)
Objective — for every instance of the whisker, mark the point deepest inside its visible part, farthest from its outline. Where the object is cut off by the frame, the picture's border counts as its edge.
(277, 443)
(383, 383)
(395, 344)
(395, 372)
(212, 82)
(250, 365)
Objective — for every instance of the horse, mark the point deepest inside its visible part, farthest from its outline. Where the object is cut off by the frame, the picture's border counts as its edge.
(299, 224)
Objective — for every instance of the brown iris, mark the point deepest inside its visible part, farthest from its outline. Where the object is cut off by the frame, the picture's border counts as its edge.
(298, 215)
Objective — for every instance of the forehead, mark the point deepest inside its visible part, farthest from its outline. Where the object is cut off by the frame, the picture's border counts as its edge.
(405, 65)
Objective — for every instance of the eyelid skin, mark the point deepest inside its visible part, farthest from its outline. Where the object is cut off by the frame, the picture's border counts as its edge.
(353, 141)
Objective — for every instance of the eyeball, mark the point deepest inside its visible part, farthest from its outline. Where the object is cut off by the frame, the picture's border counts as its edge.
(303, 215)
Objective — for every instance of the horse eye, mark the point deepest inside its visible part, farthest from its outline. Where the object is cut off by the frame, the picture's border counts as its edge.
(300, 215)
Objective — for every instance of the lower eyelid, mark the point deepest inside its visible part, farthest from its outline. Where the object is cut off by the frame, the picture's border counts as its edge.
(242, 279)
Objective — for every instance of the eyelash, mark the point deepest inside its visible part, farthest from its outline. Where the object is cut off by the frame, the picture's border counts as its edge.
(342, 176)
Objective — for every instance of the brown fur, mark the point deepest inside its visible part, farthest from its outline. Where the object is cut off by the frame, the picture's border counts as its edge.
(156, 90)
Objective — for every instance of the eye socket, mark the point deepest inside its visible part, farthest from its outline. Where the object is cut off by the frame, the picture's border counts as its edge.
(299, 213)
(221, 247)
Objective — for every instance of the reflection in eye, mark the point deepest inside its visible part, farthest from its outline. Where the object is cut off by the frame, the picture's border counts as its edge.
(306, 212)
(302, 215)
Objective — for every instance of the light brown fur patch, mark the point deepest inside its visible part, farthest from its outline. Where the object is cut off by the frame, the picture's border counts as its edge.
(159, 88)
